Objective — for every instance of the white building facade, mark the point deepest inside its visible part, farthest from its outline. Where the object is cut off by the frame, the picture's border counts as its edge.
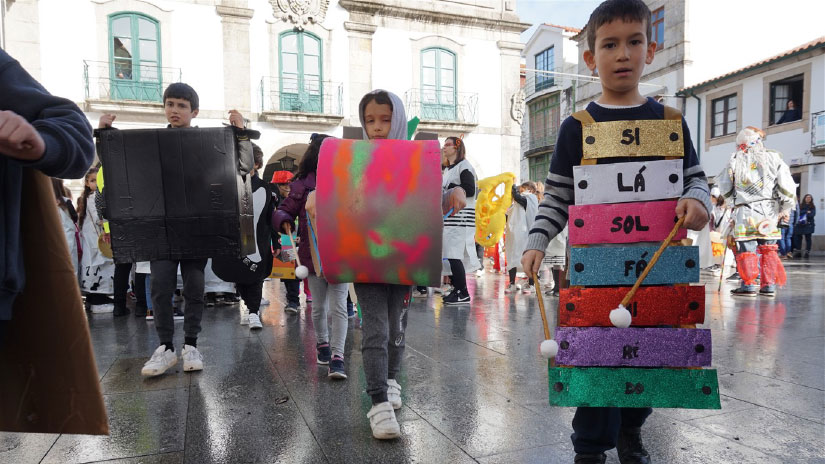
(757, 95)
(550, 59)
(292, 67)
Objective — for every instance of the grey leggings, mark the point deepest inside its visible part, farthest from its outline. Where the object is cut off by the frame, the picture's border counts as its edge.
(384, 313)
(331, 299)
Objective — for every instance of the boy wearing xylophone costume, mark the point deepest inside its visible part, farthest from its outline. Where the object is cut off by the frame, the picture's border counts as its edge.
(619, 40)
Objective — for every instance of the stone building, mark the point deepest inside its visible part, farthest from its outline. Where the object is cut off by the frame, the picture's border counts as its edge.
(292, 67)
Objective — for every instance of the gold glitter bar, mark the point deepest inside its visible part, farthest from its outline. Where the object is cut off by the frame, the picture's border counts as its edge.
(649, 137)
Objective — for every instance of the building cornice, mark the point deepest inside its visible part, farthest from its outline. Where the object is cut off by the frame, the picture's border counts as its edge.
(418, 11)
(360, 27)
(234, 12)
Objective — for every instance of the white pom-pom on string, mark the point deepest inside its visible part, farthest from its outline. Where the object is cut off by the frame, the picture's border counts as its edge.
(301, 272)
(549, 348)
(620, 317)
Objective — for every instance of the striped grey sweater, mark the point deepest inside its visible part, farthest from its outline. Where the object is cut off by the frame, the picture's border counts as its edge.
(558, 193)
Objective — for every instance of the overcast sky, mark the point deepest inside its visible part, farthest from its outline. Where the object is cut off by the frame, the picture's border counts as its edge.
(572, 13)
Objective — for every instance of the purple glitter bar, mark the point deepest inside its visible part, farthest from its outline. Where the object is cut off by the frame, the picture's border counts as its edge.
(653, 347)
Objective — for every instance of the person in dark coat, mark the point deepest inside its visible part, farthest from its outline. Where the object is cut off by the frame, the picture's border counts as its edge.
(805, 225)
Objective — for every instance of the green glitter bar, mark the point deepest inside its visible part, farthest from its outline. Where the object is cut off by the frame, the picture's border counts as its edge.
(633, 387)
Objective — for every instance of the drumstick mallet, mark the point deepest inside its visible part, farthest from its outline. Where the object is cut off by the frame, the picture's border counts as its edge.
(301, 271)
(549, 347)
(722, 274)
(620, 317)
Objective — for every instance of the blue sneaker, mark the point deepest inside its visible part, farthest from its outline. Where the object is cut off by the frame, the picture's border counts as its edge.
(324, 353)
(336, 368)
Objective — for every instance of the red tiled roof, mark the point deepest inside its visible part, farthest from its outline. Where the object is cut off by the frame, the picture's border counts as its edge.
(565, 28)
(816, 43)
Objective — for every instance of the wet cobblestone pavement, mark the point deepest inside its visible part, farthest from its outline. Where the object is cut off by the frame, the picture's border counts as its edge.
(474, 389)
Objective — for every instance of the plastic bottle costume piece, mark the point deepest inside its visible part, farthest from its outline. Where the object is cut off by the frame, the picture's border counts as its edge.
(491, 208)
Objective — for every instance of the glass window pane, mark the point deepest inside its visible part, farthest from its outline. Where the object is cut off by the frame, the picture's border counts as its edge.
(732, 102)
(428, 58)
(719, 106)
(428, 95)
(310, 46)
(290, 63)
(148, 72)
(289, 83)
(447, 78)
(123, 69)
(311, 66)
(717, 129)
(447, 60)
(147, 29)
(731, 127)
(428, 77)
(122, 26)
(148, 50)
(122, 48)
(289, 43)
(732, 115)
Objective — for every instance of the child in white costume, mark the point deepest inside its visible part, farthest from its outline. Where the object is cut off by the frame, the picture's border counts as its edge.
(761, 188)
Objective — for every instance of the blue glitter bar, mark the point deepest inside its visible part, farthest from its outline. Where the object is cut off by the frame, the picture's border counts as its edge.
(622, 265)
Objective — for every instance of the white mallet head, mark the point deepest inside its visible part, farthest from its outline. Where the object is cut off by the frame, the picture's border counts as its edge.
(620, 317)
(549, 348)
(301, 272)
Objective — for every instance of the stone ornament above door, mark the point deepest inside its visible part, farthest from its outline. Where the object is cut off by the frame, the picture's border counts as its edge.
(300, 12)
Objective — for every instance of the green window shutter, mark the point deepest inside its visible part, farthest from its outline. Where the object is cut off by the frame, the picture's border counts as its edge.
(438, 85)
(301, 83)
(134, 58)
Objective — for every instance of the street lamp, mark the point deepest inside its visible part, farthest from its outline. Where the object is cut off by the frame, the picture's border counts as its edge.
(287, 163)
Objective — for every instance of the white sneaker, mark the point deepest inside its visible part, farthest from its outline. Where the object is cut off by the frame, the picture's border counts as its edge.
(480, 273)
(102, 308)
(264, 302)
(510, 288)
(382, 422)
(394, 393)
(244, 313)
(192, 359)
(161, 360)
(527, 289)
(254, 321)
(446, 289)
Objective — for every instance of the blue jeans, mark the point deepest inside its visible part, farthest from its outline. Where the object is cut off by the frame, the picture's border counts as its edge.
(750, 246)
(786, 243)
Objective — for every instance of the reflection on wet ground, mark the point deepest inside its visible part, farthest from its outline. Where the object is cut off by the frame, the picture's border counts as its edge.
(474, 389)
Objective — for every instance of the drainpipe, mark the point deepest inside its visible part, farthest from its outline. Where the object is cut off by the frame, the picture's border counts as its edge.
(698, 125)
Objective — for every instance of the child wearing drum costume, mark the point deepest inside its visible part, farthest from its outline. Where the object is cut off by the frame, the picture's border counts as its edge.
(384, 306)
(762, 190)
(618, 36)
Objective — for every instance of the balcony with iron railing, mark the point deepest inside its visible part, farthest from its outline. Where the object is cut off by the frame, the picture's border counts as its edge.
(538, 142)
(442, 110)
(301, 100)
(125, 86)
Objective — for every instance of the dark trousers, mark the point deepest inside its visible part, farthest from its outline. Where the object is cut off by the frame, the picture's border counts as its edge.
(140, 290)
(293, 291)
(121, 283)
(596, 430)
(163, 283)
(798, 241)
(251, 294)
(512, 272)
(459, 278)
(480, 253)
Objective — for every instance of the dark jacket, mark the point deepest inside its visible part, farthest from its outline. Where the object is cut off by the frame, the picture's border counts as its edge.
(69, 152)
(294, 206)
(809, 226)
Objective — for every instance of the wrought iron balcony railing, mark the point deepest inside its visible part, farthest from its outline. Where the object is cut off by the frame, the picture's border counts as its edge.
(127, 82)
(433, 105)
(301, 95)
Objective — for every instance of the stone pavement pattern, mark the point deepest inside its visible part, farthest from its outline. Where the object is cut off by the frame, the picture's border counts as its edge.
(474, 389)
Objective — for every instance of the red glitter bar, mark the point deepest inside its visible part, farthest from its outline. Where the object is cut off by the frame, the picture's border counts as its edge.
(651, 306)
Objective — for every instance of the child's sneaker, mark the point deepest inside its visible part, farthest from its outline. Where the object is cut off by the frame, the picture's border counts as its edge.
(161, 360)
(254, 321)
(336, 368)
(150, 315)
(527, 289)
(394, 393)
(511, 288)
(767, 291)
(596, 458)
(244, 313)
(192, 359)
(457, 297)
(177, 314)
(324, 353)
(102, 308)
(382, 421)
(291, 308)
(264, 302)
